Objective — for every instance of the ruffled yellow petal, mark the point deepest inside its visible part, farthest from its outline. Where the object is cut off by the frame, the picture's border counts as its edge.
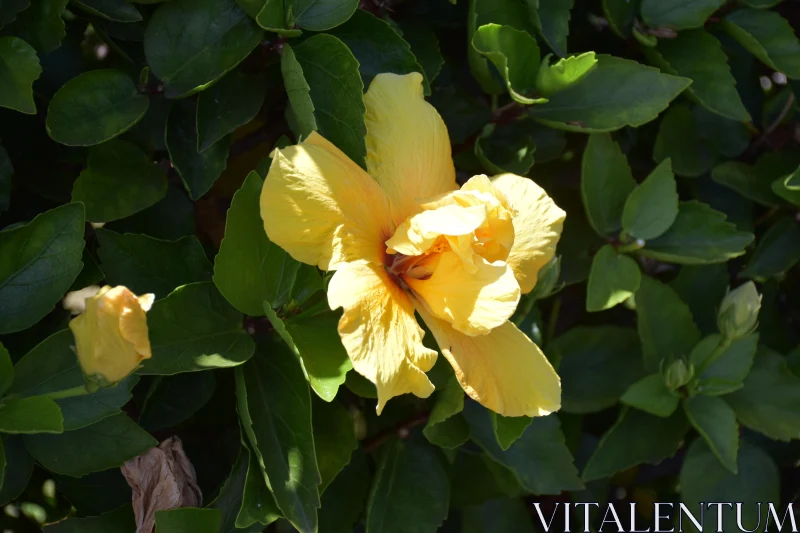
(322, 208)
(419, 232)
(537, 227)
(379, 331)
(408, 149)
(473, 302)
(504, 370)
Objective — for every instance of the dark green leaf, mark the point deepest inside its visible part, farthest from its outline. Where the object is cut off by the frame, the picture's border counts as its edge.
(105, 444)
(119, 181)
(727, 372)
(18, 469)
(49, 367)
(198, 170)
(231, 493)
(507, 149)
(343, 502)
(621, 15)
(597, 364)
(507, 429)
(445, 427)
(514, 54)
(171, 218)
(6, 171)
(703, 479)
(275, 408)
(41, 25)
(36, 414)
(249, 269)
(599, 103)
(82, 411)
(716, 423)
(38, 262)
(651, 395)
(334, 439)
(778, 250)
(679, 139)
(332, 73)
(258, 503)
(10, 9)
(425, 47)
(768, 36)
(300, 113)
(606, 182)
(192, 43)
(321, 15)
(232, 102)
(613, 279)
(678, 14)
(19, 68)
(96, 493)
(410, 493)
(173, 399)
(653, 206)
(116, 10)
(195, 329)
(702, 288)
(699, 236)
(6, 371)
(754, 181)
(636, 437)
(502, 515)
(95, 107)
(189, 520)
(119, 521)
(551, 19)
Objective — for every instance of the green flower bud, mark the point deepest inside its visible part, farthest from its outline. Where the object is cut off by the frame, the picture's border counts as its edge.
(678, 374)
(738, 313)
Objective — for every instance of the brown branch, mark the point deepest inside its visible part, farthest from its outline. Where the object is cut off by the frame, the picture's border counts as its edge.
(400, 430)
(774, 126)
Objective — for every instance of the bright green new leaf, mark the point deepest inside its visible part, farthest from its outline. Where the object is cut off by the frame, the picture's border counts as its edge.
(651, 395)
(613, 279)
(606, 183)
(119, 181)
(777, 251)
(768, 36)
(189, 44)
(38, 263)
(716, 423)
(564, 73)
(515, 55)
(36, 414)
(233, 101)
(678, 14)
(652, 206)
(19, 68)
(194, 329)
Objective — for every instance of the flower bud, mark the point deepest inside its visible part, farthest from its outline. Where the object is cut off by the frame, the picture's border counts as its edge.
(738, 313)
(678, 374)
(111, 335)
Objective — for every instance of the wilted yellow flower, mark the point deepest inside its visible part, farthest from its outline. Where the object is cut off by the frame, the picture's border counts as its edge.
(404, 237)
(111, 334)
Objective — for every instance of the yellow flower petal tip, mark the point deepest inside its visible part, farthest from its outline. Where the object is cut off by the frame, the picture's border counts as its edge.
(111, 337)
(404, 237)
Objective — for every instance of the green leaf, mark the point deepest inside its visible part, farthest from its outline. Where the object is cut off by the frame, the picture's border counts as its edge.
(82, 411)
(249, 269)
(613, 279)
(6, 171)
(680, 139)
(551, 19)
(445, 427)
(378, 48)
(171, 218)
(596, 365)
(768, 36)
(425, 47)
(173, 399)
(514, 54)
(331, 72)
(96, 493)
(275, 408)
(198, 170)
(231, 494)
(564, 73)
(18, 468)
(507, 149)
(300, 113)
(228, 104)
(507, 429)
(698, 55)
(36, 414)
(41, 25)
(258, 503)
(116, 10)
(94, 107)
(716, 423)
(636, 437)
(137, 261)
(704, 479)
(606, 183)
(6, 372)
(699, 236)
(119, 181)
(539, 459)
(769, 402)
(665, 324)
(38, 263)
(755, 181)
(313, 337)
(621, 15)
(599, 103)
(19, 68)
(334, 438)
(321, 15)
(651, 395)
(727, 372)
(678, 14)
(120, 520)
(652, 207)
(189, 44)
(103, 445)
(10, 9)
(777, 251)
(410, 487)
(188, 520)
(343, 503)
(49, 367)
(783, 187)
(195, 329)
(702, 288)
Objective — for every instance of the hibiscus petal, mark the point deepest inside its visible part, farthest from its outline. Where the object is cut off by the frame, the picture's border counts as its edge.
(504, 370)
(473, 302)
(537, 227)
(408, 149)
(419, 232)
(379, 331)
(322, 208)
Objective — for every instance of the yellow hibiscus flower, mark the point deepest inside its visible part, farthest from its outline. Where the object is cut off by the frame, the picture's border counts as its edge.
(403, 237)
